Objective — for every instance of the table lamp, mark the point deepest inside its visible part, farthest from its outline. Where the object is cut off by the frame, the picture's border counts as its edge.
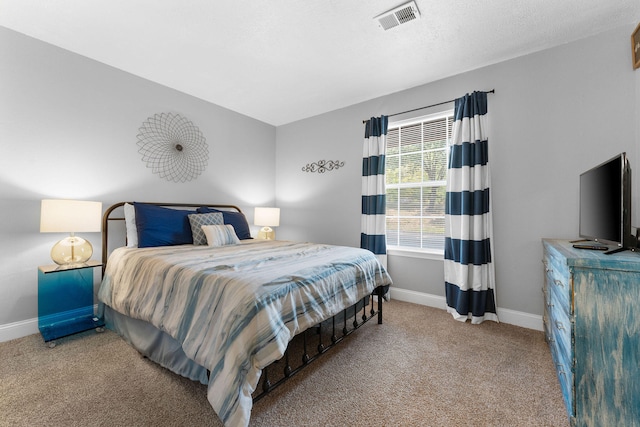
(70, 216)
(267, 217)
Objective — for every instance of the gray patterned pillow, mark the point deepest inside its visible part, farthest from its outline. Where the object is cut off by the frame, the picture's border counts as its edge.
(198, 220)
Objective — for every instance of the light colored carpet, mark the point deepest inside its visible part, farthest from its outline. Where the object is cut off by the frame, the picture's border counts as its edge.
(419, 368)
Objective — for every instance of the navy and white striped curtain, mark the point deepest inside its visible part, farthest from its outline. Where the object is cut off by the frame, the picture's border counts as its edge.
(374, 200)
(469, 271)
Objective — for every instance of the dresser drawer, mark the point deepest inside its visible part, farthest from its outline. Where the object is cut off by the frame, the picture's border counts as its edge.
(555, 262)
(560, 332)
(559, 339)
(558, 280)
(560, 294)
(565, 377)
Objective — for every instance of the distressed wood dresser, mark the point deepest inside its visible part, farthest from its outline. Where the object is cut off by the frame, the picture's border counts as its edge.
(592, 325)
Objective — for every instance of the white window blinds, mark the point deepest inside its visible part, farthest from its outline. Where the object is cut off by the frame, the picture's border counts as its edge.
(416, 169)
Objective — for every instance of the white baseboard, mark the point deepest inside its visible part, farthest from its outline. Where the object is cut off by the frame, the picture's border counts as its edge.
(520, 318)
(11, 331)
(505, 315)
(20, 329)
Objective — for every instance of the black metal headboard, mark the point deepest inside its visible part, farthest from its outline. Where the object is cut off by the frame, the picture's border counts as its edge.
(111, 214)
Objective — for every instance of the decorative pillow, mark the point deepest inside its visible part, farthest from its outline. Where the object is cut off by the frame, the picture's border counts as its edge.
(236, 219)
(198, 220)
(160, 226)
(130, 223)
(220, 235)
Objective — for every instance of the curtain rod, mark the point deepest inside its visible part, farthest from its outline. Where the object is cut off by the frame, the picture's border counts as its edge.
(428, 106)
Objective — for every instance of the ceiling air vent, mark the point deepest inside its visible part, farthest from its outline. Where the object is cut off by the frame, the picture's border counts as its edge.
(400, 15)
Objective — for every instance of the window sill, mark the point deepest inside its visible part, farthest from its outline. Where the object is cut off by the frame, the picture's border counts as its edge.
(434, 255)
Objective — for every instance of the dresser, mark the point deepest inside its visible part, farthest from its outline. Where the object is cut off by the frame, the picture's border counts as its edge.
(592, 325)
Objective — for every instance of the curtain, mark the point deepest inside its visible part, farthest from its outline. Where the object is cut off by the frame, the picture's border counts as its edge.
(469, 271)
(374, 200)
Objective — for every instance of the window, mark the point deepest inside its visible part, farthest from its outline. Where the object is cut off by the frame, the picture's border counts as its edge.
(416, 173)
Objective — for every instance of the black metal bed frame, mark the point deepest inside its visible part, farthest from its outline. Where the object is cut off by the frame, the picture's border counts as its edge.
(271, 378)
(327, 331)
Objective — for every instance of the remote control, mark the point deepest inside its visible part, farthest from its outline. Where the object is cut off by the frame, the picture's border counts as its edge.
(594, 247)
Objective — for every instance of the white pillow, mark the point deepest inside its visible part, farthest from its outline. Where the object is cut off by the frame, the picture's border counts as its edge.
(220, 235)
(130, 223)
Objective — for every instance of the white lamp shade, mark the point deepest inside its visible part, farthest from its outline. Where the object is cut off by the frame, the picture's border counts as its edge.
(268, 217)
(70, 216)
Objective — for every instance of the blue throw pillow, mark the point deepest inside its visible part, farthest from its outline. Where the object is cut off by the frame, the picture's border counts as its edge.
(158, 226)
(236, 219)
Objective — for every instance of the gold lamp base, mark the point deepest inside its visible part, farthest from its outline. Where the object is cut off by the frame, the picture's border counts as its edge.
(266, 233)
(71, 250)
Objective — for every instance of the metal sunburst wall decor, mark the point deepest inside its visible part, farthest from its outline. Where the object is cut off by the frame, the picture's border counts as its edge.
(173, 147)
(321, 166)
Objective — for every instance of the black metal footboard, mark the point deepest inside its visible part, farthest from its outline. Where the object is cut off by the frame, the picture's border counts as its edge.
(312, 343)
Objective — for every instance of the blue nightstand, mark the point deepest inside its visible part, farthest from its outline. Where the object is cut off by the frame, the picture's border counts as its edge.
(65, 300)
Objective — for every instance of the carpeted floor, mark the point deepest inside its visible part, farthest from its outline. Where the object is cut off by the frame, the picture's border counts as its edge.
(419, 368)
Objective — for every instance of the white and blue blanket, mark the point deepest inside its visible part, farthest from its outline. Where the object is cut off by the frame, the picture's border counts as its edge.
(234, 309)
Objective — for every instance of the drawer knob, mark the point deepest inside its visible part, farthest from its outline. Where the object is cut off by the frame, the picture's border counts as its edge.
(559, 325)
(558, 283)
(561, 370)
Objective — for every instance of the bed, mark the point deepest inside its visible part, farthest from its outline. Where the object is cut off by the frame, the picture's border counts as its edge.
(190, 290)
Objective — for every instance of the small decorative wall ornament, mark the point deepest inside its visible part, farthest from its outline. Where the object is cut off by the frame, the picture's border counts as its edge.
(321, 166)
(173, 147)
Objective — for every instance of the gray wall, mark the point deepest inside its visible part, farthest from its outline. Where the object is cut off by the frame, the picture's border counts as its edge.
(555, 114)
(68, 129)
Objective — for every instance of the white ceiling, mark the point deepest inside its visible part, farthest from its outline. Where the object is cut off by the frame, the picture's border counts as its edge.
(283, 60)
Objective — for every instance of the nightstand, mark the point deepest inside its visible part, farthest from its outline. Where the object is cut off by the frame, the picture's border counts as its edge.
(65, 300)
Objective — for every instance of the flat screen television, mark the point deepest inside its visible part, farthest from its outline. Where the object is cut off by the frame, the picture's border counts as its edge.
(605, 203)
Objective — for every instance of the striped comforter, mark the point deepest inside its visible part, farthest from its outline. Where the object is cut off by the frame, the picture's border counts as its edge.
(235, 308)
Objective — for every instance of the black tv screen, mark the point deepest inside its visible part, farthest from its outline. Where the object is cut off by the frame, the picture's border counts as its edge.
(605, 205)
